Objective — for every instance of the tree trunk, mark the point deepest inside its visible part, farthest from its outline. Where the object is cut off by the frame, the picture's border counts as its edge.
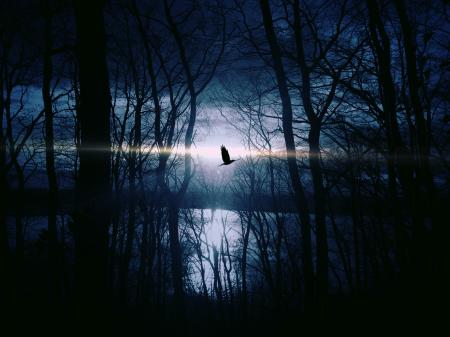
(145, 257)
(131, 224)
(300, 197)
(93, 184)
(5, 253)
(50, 160)
(319, 205)
(423, 168)
(244, 302)
(20, 244)
(134, 168)
(399, 158)
(176, 262)
(19, 202)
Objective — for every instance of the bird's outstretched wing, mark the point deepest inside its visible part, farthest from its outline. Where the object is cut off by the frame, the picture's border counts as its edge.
(225, 154)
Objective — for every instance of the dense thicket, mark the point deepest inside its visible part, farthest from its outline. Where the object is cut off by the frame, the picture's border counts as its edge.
(337, 212)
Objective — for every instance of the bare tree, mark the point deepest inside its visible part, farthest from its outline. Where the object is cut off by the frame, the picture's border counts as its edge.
(300, 196)
(50, 152)
(93, 183)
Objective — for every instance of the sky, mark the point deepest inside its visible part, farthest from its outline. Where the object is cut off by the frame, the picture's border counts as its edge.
(213, 130)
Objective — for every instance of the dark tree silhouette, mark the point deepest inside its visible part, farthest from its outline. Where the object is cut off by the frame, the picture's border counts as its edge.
(300, 195)
(92, 217)
(50, 153)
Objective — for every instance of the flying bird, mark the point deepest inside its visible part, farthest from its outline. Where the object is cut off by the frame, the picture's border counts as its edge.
(226, 156)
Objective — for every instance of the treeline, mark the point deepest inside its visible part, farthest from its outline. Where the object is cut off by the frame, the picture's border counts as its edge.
(354, 94)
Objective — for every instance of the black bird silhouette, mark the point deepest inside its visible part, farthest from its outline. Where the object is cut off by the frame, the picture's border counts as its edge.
(226, 156)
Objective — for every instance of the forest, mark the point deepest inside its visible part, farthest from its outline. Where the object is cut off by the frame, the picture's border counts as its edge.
(325, 211)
